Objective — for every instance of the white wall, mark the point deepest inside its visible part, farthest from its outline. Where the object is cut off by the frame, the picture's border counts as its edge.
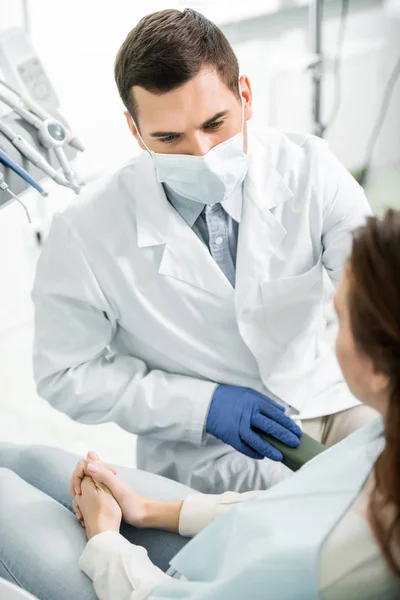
(282, 87)
(79, 53)
(79, 57)
(11, 13)
(77, 42)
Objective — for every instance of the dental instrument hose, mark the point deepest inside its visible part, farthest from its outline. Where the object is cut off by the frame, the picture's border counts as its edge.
(7, 161)
(5, 188)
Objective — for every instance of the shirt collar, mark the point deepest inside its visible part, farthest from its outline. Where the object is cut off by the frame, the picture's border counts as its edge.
(190, 210)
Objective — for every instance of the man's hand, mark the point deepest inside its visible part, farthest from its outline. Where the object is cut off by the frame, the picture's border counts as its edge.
(134, 507)
(235, 413)
(98, 508)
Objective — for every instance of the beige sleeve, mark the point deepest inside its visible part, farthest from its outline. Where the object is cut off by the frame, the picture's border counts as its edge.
(199, 510)
(119, 570)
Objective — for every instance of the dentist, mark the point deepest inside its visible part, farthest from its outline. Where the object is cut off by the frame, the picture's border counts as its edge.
(182, 297)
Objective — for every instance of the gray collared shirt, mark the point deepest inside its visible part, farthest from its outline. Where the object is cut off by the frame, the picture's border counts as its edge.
(214, 226)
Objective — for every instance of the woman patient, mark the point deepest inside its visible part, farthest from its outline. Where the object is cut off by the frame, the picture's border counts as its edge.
(330, 531)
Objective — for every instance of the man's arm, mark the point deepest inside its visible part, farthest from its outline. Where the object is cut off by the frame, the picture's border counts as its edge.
(344, 208)
(74, 324)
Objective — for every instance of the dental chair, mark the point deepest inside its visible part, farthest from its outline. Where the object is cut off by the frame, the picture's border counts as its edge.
(9, 591)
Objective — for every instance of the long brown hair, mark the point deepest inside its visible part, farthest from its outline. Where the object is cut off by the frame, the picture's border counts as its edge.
(374, 300)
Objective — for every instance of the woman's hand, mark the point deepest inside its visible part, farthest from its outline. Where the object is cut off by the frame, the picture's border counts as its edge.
(98, 508)
(79, 473)
(137, 510)
(134, 506)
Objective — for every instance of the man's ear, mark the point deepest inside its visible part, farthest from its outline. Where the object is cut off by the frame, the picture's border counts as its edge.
(133, 129)
(245, 88)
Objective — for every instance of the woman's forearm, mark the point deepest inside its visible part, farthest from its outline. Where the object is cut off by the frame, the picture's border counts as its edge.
(163, 515)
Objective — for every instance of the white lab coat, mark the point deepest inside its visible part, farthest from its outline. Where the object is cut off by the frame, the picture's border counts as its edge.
(136, 323)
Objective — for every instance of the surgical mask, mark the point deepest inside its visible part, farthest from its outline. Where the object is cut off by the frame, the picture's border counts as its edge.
(207, 179)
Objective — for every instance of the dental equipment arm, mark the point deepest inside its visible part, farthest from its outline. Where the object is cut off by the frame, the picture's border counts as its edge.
(32, 154)
(34, 108)
(52, 135)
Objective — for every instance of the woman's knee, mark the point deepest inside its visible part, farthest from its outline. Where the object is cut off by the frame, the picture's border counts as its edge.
(10, 487)
(47, 469)
(40, 542)
(5, 474)
(8, 481)
(21, 459)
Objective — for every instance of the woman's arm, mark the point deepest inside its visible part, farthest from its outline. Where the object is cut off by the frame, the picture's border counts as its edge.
(121, 570)
(162, 515)
(187, 517)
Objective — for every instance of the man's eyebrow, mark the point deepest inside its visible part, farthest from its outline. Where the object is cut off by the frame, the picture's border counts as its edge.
(160, 134)
(223, 113)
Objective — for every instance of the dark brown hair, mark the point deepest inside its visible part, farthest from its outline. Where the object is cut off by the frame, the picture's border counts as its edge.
(168, 48)
(374, 299)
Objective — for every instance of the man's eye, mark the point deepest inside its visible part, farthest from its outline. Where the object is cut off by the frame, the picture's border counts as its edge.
(214, 125)
(169, 139)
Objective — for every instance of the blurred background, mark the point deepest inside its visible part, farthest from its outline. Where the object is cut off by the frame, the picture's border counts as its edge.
(330, 67)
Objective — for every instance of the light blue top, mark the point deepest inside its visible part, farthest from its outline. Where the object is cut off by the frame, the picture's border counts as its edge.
(214, 226)
(271, 545)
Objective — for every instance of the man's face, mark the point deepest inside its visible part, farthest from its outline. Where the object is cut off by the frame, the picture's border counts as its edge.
(193, 118)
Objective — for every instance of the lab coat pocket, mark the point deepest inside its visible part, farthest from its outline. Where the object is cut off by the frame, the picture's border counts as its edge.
(293, 305)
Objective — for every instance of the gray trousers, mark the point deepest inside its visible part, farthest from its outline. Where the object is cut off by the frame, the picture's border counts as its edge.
(40, 538)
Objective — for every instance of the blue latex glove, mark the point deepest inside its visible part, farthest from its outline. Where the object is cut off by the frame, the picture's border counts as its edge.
(235, 411)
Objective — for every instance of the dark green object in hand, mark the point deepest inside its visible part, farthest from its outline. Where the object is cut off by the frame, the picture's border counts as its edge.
(295, 458)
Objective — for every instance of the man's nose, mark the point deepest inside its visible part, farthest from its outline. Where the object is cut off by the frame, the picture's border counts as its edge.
(200, 144)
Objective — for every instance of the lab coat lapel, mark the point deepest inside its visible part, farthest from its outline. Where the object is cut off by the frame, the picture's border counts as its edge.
(260, 233)
(185, 257)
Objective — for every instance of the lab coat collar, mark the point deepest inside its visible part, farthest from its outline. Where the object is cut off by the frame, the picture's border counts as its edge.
(264, 186)
(261, 232)
(234, 204)
(185, 256)
(153, 211)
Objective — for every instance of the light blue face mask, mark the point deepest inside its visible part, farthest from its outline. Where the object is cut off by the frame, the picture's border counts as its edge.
(207, 179)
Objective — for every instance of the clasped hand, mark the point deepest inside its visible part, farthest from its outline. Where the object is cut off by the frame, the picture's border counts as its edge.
(101, 499)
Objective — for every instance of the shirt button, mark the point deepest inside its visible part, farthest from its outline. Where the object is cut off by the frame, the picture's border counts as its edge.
(219, 241)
